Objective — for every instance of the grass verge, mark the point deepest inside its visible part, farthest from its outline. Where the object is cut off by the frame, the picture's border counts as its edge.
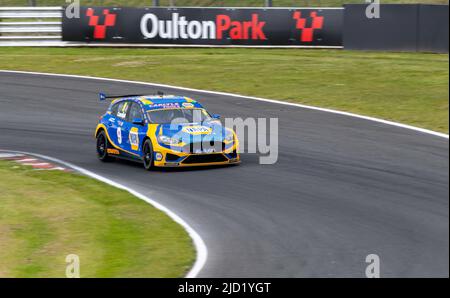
(411, 88)
(47, 215)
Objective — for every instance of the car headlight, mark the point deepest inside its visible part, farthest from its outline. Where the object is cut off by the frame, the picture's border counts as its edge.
(168, 140)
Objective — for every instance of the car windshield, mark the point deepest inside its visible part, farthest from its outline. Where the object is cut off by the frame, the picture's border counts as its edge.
(178, 116)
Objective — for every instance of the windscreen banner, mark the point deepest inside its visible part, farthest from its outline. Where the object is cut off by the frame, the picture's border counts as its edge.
(207, 26)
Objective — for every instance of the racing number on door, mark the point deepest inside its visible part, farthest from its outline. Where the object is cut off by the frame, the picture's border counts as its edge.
(121, 113)
(119, 135)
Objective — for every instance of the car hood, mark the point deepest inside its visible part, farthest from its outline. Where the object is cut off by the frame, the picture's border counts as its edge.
(194, 132)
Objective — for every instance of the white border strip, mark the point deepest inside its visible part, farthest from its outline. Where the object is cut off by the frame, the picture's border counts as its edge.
(202, 251)
(246, 7)
(387, 122)
(68, 44)
(171, 7)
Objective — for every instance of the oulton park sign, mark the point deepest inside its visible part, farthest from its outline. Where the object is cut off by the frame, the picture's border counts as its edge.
(207, 26)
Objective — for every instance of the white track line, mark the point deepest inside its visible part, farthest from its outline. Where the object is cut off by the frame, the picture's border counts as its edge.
(7, 155)
(57, 169)
(387, 122)
(202, 251)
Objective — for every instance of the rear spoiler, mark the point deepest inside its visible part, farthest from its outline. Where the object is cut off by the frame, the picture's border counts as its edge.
(103, 96)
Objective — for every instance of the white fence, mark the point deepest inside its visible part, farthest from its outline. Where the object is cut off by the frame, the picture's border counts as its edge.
(30, 25)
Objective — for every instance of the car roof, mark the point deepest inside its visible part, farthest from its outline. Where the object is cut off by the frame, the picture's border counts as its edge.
(157, 102)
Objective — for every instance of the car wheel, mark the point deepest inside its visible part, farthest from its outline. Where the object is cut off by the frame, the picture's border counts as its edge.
(102, 147)
(147, 151)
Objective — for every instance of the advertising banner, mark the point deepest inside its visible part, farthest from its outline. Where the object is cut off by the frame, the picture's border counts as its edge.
(207, 26)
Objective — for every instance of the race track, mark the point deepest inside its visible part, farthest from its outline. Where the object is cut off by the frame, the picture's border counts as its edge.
(343, 187)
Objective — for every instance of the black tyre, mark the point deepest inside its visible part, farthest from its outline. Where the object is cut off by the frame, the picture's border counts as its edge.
(147, 157)
(102, 147)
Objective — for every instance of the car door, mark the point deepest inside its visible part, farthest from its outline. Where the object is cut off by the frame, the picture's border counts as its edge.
(110, 122)
(136, 131)
(117, 129)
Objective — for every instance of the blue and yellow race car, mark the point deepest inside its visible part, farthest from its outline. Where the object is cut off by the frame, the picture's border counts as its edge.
(164, 131)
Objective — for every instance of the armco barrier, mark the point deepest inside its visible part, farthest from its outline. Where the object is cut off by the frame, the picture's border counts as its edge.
(34, 25)
(207, 26)
(401, 27)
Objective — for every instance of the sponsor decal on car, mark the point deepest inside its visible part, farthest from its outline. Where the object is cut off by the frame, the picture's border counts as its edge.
(187, 105)
(204, 151)
(166, 105)
(123, 108)
(134, 138)
(197, 130)
(113, 151)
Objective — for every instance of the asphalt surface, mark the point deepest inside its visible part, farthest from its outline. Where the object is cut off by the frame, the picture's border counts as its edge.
(342, 188)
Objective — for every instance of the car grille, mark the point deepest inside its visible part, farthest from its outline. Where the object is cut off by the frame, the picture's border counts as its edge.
(171, 157)
(203, 147)
(205, 158)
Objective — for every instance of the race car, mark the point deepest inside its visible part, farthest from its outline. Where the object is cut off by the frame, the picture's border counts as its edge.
(164, 131)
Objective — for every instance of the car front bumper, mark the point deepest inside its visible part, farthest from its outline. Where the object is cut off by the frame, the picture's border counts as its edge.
(164, 157)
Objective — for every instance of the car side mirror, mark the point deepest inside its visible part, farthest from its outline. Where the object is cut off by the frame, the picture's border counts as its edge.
(138, 121)
(216, 116)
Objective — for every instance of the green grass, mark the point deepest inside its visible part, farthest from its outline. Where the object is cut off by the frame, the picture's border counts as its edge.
(236, 3)
(47, 215)
(411, 88)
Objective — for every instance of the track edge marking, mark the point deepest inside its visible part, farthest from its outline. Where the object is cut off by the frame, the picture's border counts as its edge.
(199, 244)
